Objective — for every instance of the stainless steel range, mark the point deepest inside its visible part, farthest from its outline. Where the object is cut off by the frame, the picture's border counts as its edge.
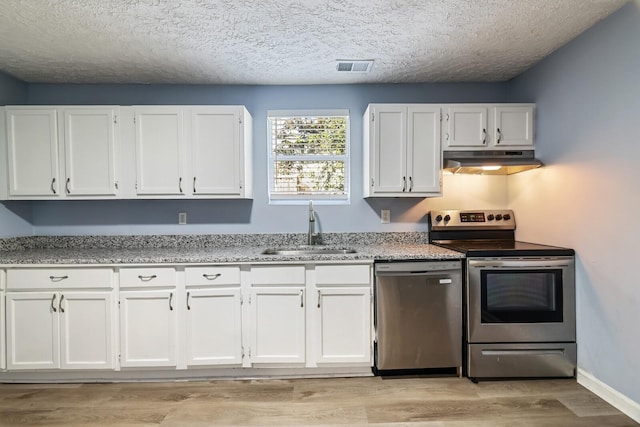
(519, 296)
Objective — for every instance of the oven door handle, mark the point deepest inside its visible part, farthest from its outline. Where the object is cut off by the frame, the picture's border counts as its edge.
(521, 263)
(517, 352)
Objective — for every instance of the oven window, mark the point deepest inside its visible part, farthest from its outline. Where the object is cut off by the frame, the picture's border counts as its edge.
(521, 296)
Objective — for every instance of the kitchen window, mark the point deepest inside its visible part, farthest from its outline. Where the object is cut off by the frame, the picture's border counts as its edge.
(309, 156)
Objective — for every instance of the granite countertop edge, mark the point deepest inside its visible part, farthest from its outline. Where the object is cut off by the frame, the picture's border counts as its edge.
(369, 247)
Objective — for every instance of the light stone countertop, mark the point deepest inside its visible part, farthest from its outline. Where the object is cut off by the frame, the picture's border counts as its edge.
(400, 246)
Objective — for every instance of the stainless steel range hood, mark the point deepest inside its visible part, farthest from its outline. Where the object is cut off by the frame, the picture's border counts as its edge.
(489, 162)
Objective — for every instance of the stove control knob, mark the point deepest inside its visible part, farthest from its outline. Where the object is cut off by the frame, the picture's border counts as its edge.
(498, 217)
(506, 217)
(447, 217)
(439, 218)
(490, 217)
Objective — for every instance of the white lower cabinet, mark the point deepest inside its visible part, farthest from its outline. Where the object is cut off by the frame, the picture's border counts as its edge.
(287, 316)
(343, 326)
(68, 330)
(214, 327)
(148, 325)
(277, 325)
(342, 315)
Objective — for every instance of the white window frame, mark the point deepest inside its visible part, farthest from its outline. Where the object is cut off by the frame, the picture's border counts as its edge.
(300, 199)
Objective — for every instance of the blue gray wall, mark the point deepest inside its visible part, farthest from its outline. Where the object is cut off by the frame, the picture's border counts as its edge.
(588, 124)
(15, 217)
(257, 216)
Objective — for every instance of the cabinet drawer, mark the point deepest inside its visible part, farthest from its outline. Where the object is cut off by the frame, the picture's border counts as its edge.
(278, 275)
(59, 278)
(343, 274)
(147, 277)
(212, 276)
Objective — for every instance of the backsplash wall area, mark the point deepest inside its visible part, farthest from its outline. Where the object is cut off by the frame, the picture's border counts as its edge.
(257, 216)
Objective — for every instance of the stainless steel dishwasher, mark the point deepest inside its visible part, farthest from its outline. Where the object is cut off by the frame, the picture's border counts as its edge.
(418, 315)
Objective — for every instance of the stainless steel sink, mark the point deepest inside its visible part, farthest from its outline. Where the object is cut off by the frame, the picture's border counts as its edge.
(311, 250)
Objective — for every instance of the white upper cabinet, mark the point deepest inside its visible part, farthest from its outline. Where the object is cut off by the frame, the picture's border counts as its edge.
(402, 155)
(32, 138)
(159, 148)
(488, 126)
(466, 126)
(513, 125)
(193, 151)
(218, 151)
(90, 146)
(61, 151)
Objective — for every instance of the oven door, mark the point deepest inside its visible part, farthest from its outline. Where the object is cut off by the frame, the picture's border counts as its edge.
(513, 300)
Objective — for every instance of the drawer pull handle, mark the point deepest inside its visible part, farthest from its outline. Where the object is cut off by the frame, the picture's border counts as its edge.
(170, 301)
(499, 135)
(58, 278)
(53, 302)
(211, 276)
(319, 296)
(147, 278)
(301, 297)
(60, 304)
(188, 295)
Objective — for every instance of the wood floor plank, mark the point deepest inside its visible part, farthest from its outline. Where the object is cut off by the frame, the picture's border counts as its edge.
(353, 402)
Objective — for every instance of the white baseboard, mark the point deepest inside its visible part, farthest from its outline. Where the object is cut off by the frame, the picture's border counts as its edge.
(613, 397)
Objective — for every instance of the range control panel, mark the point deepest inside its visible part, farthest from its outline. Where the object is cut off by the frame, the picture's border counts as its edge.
(491, 219)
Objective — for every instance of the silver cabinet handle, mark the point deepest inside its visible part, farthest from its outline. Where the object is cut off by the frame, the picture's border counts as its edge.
(60, 304)
(484, 136)
(211, 276)
(53, 183)
(499, 136)
(66, 186)
(58, 278)
(410, 184)
(188, 295)
(194, 184)
(319, 294)
(53, 302)
(170, 301)
(180, 184)
(404, 184)
(147, 278)
(301, 297)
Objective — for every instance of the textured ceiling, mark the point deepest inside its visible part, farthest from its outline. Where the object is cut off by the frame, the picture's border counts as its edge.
(284, 41)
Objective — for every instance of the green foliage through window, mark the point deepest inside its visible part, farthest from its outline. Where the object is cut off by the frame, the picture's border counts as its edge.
(309, 156)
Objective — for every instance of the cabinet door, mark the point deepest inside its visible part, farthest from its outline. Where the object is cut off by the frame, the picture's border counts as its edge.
(147, 328)
(159, 145)
(514, 126)
(423, 153)
(89, 140)
(86, 330)
(32, 330)
(466, 127)
(277, 325)
(32, 137)
(214, 331)
(343, 325)
(216, 151)
(389, 149)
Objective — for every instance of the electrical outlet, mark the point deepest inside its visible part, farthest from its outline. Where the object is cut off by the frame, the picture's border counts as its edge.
(182, 217)
(385, 216)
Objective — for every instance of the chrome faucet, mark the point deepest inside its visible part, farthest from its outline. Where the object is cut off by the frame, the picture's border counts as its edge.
(312, 220)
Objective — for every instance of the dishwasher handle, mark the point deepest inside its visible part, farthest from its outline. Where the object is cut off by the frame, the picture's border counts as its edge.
(442, 273)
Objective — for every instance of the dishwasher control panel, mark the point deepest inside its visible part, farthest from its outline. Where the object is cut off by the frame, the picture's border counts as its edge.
(417, 267)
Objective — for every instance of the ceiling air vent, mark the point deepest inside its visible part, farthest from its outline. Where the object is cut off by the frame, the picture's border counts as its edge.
(349, 66)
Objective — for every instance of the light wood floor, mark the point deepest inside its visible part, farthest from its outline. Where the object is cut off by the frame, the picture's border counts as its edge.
(394, 402)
